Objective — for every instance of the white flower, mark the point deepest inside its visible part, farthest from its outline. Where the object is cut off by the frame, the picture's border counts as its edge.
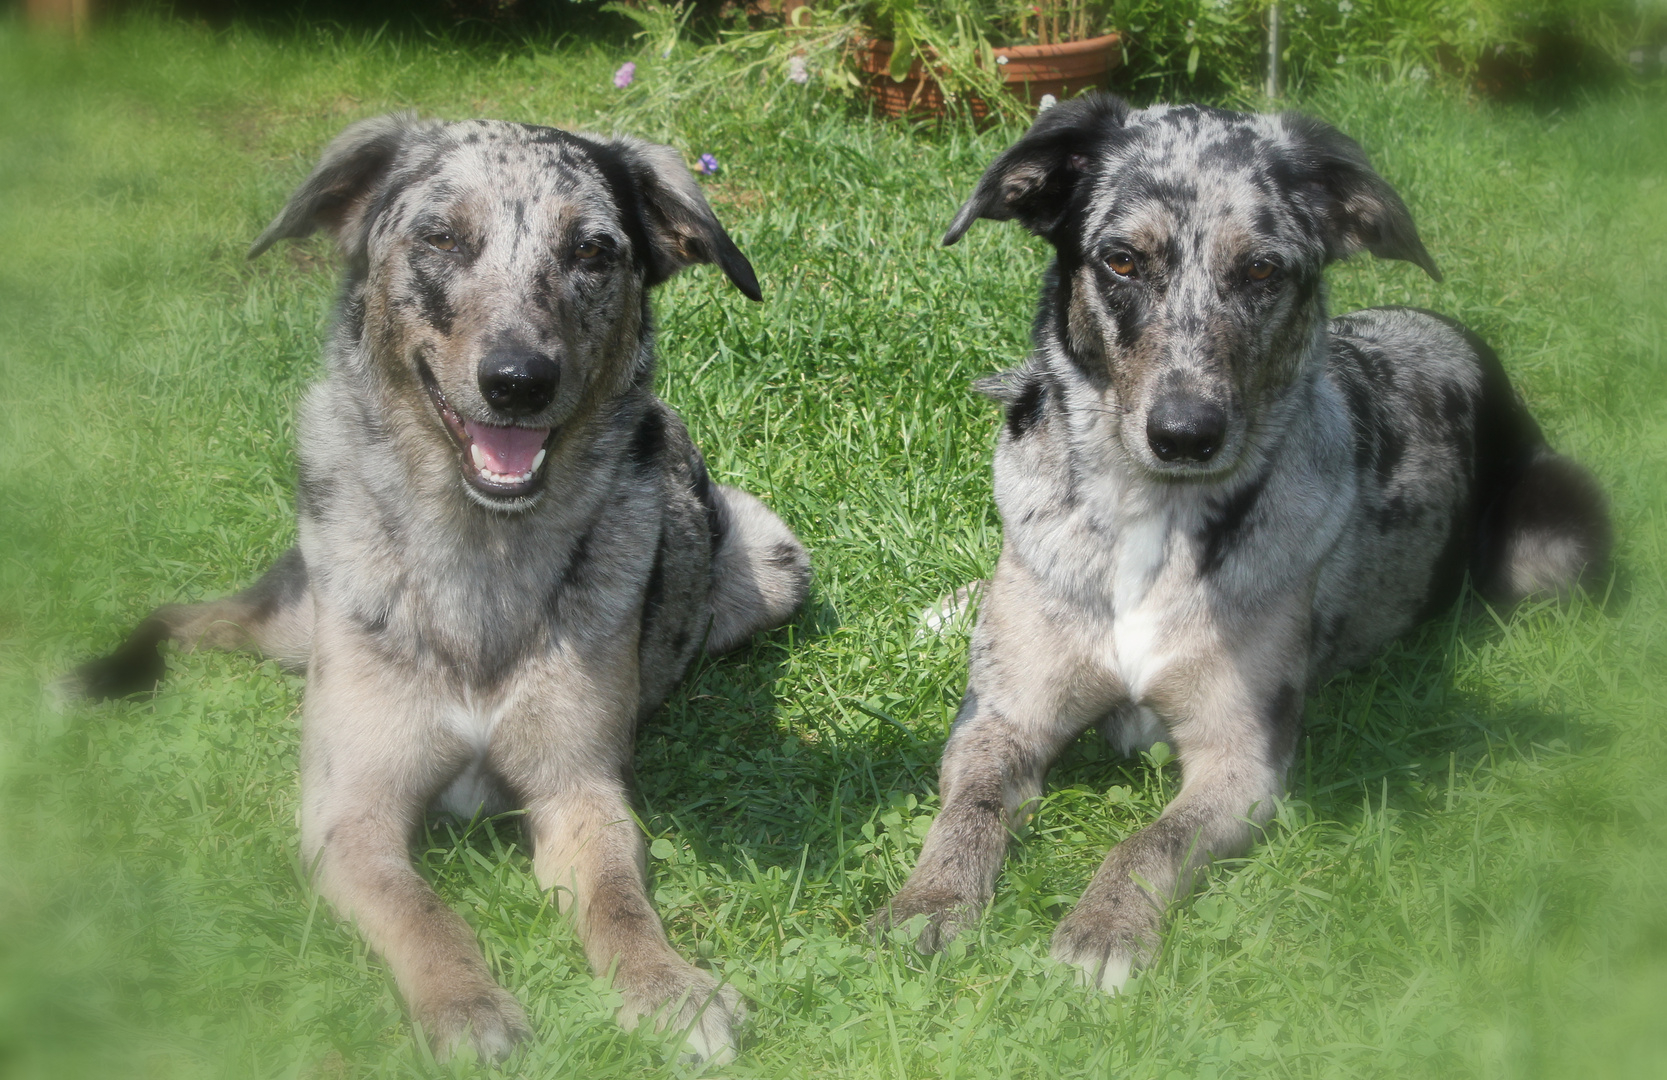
(797, 71)
(1048, 101)
(1419, 74)
(1001, 59)
(1344, 6)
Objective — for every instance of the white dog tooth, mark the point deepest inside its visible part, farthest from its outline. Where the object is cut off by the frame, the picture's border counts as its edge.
(478, 457)
(537, 461)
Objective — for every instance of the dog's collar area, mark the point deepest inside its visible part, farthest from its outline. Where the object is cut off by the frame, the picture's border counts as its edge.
(501, 461)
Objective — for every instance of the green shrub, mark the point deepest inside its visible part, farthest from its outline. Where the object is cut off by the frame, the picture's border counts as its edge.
(1214, 49)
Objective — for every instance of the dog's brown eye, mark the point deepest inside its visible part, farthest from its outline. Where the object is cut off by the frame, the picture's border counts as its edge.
(1121, 263)
(1261, 270)
(444, 241)
(590, 249)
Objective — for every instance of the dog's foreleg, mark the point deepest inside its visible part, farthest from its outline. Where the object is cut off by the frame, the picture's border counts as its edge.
(590, 851)
(1029, 694)
(273, 617)
(1235, 725)
(567, 754)
(373, 754)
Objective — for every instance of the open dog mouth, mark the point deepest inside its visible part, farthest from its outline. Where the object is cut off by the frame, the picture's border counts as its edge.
(498, 460)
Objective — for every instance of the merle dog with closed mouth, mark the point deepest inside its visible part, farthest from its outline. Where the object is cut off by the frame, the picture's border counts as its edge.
(1212, 494)
(509, 548)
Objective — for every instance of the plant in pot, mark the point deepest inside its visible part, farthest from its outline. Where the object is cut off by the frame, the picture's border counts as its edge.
(995, 56)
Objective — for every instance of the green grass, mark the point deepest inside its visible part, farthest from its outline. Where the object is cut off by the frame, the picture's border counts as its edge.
(1468, 878)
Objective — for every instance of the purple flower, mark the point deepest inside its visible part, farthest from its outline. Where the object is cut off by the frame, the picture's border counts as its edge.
(707, 165)
(627, 71)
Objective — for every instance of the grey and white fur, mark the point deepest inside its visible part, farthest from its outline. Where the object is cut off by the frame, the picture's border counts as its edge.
(509, 548)
(1212, 495)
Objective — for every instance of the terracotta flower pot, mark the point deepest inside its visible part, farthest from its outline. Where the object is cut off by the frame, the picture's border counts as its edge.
(1028, 70)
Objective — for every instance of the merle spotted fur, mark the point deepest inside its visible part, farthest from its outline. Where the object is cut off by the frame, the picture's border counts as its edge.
(1213, 495)
(509, 550)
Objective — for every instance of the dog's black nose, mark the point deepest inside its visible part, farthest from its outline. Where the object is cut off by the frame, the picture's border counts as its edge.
(518, 381)
(1185, 429)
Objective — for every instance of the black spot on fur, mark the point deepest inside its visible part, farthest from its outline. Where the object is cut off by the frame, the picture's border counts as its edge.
(569, 576)
(576, 562)
(1026, 410)
(282, 586)
(1224, 526)
(432, 298)
(1284, 721)
(648, 441)
(314, 494)
(654, 593)
(700, 482)
(1395, 514)
(371, 624)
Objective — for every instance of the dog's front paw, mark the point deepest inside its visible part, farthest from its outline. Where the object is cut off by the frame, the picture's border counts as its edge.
(486, 1017)
(1106, 947)
(682, 998)
(947, 913)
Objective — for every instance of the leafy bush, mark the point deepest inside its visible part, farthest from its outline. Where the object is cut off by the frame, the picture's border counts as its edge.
(1218, 48)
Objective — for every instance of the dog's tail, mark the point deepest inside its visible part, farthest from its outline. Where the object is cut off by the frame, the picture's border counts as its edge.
(1547, 532)
(273, 617)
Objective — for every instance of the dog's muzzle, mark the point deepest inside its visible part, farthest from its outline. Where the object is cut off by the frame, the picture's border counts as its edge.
(501, 461)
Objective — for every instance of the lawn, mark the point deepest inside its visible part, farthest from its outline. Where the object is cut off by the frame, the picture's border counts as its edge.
(1467, 879)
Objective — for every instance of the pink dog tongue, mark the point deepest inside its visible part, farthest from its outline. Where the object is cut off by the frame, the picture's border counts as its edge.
(508, 451)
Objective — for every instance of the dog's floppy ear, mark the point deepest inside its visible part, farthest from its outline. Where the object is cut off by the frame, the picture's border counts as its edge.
(1360, 209)
(1034, 178)
(335, 196)
(678, 224)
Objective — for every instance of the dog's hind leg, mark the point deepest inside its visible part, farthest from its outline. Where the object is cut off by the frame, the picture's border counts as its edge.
(1029, 694)
(274, 617)
(1547, 533)
(760, 571)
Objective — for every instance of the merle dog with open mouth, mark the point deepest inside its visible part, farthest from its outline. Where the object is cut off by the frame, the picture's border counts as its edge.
(1212, 495)
(509, 548)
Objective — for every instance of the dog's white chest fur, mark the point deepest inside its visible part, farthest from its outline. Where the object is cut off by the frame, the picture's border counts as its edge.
(1138, 612)
(1114, 555)
(475, 787)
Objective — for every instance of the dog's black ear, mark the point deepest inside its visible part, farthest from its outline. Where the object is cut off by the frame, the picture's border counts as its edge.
(1360, 210)
(678, 223)
(1034, 178)
(335, 196)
